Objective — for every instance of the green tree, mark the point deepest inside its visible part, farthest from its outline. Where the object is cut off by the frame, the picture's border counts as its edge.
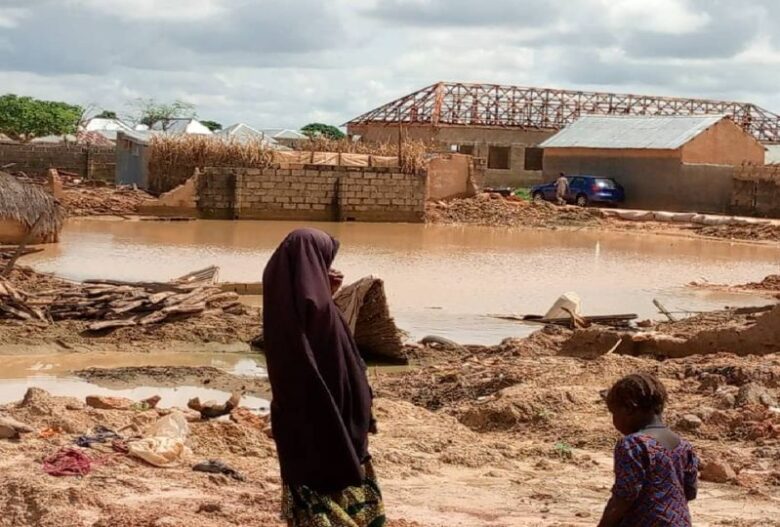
(24, 118)
(212, 125)
(150, 111)
(106, 114)
(325, 130)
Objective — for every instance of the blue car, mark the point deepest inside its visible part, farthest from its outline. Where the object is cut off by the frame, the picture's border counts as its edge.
(584, 190)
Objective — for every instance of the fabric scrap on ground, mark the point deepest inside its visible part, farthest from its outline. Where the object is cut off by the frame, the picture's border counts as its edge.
(100, 434)
(67, 462)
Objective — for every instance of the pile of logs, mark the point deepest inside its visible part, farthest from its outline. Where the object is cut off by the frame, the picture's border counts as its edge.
(112, 304)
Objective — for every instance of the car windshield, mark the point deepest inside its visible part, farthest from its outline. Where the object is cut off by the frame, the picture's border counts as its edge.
(606, 183)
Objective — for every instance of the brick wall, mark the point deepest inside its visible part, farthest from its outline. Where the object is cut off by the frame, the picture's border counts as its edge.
(756, 191)
(313, 193)
(89, 162)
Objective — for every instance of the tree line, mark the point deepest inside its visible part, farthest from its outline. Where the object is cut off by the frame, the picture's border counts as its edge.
(24, 118)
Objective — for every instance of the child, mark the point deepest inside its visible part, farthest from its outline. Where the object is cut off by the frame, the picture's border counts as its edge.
(655, 470)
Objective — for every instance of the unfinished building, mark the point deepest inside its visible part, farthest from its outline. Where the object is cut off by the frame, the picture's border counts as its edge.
(505, 124)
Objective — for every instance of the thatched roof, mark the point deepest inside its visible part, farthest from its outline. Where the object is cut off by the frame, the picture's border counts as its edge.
(25, 202)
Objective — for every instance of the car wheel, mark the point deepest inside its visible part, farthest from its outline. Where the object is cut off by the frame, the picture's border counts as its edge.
(538, 196)
(582, 200)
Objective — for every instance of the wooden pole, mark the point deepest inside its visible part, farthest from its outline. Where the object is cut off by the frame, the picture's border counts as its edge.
(20, 249)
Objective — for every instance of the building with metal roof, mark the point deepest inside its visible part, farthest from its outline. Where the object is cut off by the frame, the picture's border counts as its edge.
(664, 162)
(641, 131)
(505, 124)
(285, 136)
(181, 127)
(244, 133)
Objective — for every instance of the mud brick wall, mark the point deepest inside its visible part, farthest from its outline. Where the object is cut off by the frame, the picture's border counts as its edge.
(756, 191)
(313, 193)
(89, 162)
(216, 194)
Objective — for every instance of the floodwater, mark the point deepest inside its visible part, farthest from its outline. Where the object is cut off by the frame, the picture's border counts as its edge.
(440, 280)
(53, 374)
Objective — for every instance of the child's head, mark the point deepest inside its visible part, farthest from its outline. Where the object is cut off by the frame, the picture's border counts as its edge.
(635, 400)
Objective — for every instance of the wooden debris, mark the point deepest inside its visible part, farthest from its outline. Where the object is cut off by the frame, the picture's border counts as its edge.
(112, 304)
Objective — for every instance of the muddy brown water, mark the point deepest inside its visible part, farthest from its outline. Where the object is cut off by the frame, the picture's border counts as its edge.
(53, 373)
(440, 280)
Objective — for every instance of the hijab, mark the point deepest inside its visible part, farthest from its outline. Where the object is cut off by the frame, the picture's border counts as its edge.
(321, 406)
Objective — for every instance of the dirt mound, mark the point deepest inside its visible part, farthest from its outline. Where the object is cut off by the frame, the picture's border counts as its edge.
(741, 332)
(491, 209)
(743, 232)
(102, 201)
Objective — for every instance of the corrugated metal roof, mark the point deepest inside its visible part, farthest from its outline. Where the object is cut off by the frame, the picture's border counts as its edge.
(182, 127)
(283, 133)
(634, 132)
(244, 133)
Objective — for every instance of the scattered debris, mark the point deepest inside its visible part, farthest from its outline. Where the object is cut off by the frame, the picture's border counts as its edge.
(212, 409)
(214, 466)
(67, 462)
(12, 429)
(494, 210)
(112, 304)
(82, 200)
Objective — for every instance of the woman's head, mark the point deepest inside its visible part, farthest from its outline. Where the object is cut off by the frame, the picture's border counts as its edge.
(635, 400)
(303, 240)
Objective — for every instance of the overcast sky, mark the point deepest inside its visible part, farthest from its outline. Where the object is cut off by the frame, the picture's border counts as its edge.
(285, 63)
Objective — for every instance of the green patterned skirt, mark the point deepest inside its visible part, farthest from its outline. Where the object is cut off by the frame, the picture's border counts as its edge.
(352, 507)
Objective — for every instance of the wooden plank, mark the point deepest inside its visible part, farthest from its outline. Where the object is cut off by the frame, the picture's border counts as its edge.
(111, 324)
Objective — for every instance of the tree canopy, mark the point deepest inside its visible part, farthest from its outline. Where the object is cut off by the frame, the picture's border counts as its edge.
(212, 125)
(106, 114)
(324, 130)
(25, 118)
(151, 111)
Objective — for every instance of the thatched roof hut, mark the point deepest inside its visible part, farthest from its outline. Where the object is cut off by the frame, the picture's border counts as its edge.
(21, 204)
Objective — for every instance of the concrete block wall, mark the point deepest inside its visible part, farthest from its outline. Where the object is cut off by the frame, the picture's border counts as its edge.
(216, 193)
(382, 195)
(313, 193)
(89, 162)
(287, 194)
(756, 191)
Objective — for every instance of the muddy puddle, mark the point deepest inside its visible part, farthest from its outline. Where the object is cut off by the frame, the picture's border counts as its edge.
(441, 280)
(176, 378)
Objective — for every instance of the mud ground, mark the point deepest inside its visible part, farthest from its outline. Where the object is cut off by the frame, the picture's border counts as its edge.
(493, 210)
(512, 435)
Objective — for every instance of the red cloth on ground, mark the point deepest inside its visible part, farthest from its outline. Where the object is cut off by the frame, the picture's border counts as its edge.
(67, 462)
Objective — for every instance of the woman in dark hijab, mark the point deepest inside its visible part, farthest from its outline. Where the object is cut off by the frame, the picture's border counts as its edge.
(321, 407)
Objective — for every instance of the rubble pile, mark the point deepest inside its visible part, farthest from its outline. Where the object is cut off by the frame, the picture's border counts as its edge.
(109, 304)
(80, 200)
(769, 233)
(494, 210)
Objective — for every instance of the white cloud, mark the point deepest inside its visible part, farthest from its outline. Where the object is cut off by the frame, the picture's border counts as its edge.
(283, 63)
(660, 16)
(10, 16)
(168, 10)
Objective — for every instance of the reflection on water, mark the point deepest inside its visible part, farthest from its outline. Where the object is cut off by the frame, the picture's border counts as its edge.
(12, 390)
(53, 373)
(20, 366)
(440, 279)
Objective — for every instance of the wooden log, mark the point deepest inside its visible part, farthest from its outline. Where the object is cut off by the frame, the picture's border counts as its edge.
(184, 309)
(153, 318)
(127, 307)
(18, 313)
(111, 324)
